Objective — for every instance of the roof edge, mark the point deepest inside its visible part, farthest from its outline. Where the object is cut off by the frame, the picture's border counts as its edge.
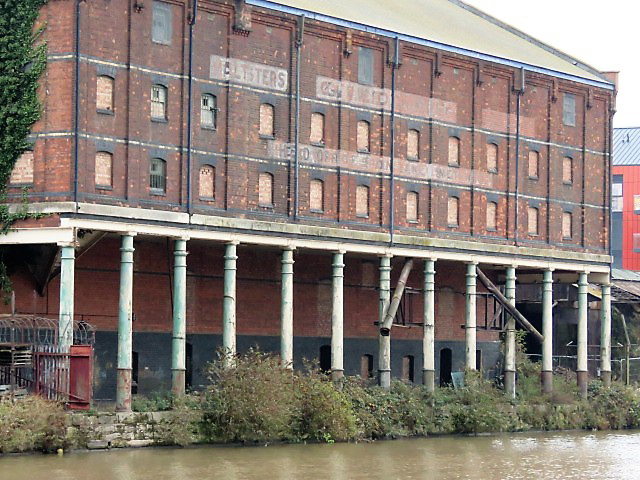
(525, 36)
(275, 5)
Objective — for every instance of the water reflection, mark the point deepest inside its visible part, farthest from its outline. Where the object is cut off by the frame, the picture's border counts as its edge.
(542, 456)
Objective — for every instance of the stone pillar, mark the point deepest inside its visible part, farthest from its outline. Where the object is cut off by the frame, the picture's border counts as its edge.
(384, 342)
(337, 317)
(229, 304)
(582, 370)
(428, 334)
(179, 335)
(286, 309)
(65, 320)
(605, 335)
(547, 331)
(510, 339)
(125, 325)
(470, 318)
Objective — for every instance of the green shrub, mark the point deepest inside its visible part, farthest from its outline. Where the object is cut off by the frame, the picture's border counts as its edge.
(160, 401)
(181, 425)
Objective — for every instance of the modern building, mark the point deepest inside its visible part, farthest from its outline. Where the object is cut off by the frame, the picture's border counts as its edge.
(230, 173)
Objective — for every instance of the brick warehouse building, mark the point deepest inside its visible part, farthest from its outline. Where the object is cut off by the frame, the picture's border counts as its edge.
(301, 151)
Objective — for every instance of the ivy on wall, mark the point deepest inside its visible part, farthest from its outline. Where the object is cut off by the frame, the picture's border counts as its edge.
(22, 61)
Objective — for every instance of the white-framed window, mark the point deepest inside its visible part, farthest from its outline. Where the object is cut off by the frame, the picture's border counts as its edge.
(158, 102)
(208, 111)
(617, 202)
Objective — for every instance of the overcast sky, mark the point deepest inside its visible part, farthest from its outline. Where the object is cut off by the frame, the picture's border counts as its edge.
(603, 34)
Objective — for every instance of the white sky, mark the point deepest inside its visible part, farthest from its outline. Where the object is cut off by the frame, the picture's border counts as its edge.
(601, 33)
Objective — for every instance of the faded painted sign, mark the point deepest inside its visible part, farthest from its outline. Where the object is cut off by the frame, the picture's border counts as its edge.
(503, 122)
(248, 73)
(380, 98)
(325, 157)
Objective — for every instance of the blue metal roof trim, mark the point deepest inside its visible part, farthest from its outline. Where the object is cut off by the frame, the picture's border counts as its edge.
(429, 43)
(626, 146)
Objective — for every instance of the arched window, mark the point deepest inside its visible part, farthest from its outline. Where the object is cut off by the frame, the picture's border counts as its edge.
(208, 111)
(413, 144)
(534, 158)
(362, 201)
(104, 169)
(104, 93)
(316, 195)
(412, 206)
(492, 157)
(533, 221)
(567, 170)
(158, 102)
(363, 139)
(317, 128)
(158, 176)
(207, 182)
(267, 120)
(452, 211)
(492, 210)
(454, 151)
(265, 189)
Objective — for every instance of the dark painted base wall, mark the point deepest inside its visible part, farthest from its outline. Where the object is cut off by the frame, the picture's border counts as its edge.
(154, 357)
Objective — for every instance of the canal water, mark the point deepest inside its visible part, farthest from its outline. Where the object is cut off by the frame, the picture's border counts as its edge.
(520, 456)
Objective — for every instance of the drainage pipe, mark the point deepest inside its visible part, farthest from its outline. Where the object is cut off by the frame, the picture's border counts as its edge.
(296, 140)
(392, 180)
(387, 321)
(192, 23)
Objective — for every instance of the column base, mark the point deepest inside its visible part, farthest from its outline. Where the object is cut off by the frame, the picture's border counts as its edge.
(123, 390)
(336, 375)
(606, 378)
(429, 380)
(510, 383)
(546, 378)
(178, 382)
(583, 379)
(384, 379)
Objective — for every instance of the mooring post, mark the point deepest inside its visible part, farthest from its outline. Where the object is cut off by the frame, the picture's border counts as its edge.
(428, 336)
(605, 335)
(547, 331)
(337, 317)
(582, 370)
(510, 339)
(384, 341)
(65, 320)
(286, 309)
(470, 317)
(125, 325)
(229, 305)
(178, 340)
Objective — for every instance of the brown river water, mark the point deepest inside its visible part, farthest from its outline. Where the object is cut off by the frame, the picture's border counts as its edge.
(568, 455)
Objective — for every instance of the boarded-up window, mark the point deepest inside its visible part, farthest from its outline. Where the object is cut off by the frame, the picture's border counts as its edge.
(454, 151)
(266, 120)
(363, 137)
(317, 128)
(316, 195)
(407, 368)
(265, 190)
(533, 221)
(492, 211)
(158, 176)
(208, 110)
(362, 201)
(413, 144)
(492, 157)
(567, 225)
(161, 30)
(569, 109)
(534, 158)
(366, 366)
(158, 102)
(104, 93)
(452, 211)
(22, 172)
(365, 66)
(207, 182)
(567, 170)
(104, 169)
(412, 207)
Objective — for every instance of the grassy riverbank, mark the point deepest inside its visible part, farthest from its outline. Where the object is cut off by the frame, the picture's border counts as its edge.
(259, 402)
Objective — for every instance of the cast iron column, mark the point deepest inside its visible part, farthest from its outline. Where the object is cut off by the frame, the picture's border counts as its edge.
(384, 342)
(337, 317)
(428, 334)
(547, 331)
(583, 312)
(125, 325)
(229, 304)
(510, 340)
(178, 340)
(65, 321)
(286, 309)
(605, 335)
(470, 318)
